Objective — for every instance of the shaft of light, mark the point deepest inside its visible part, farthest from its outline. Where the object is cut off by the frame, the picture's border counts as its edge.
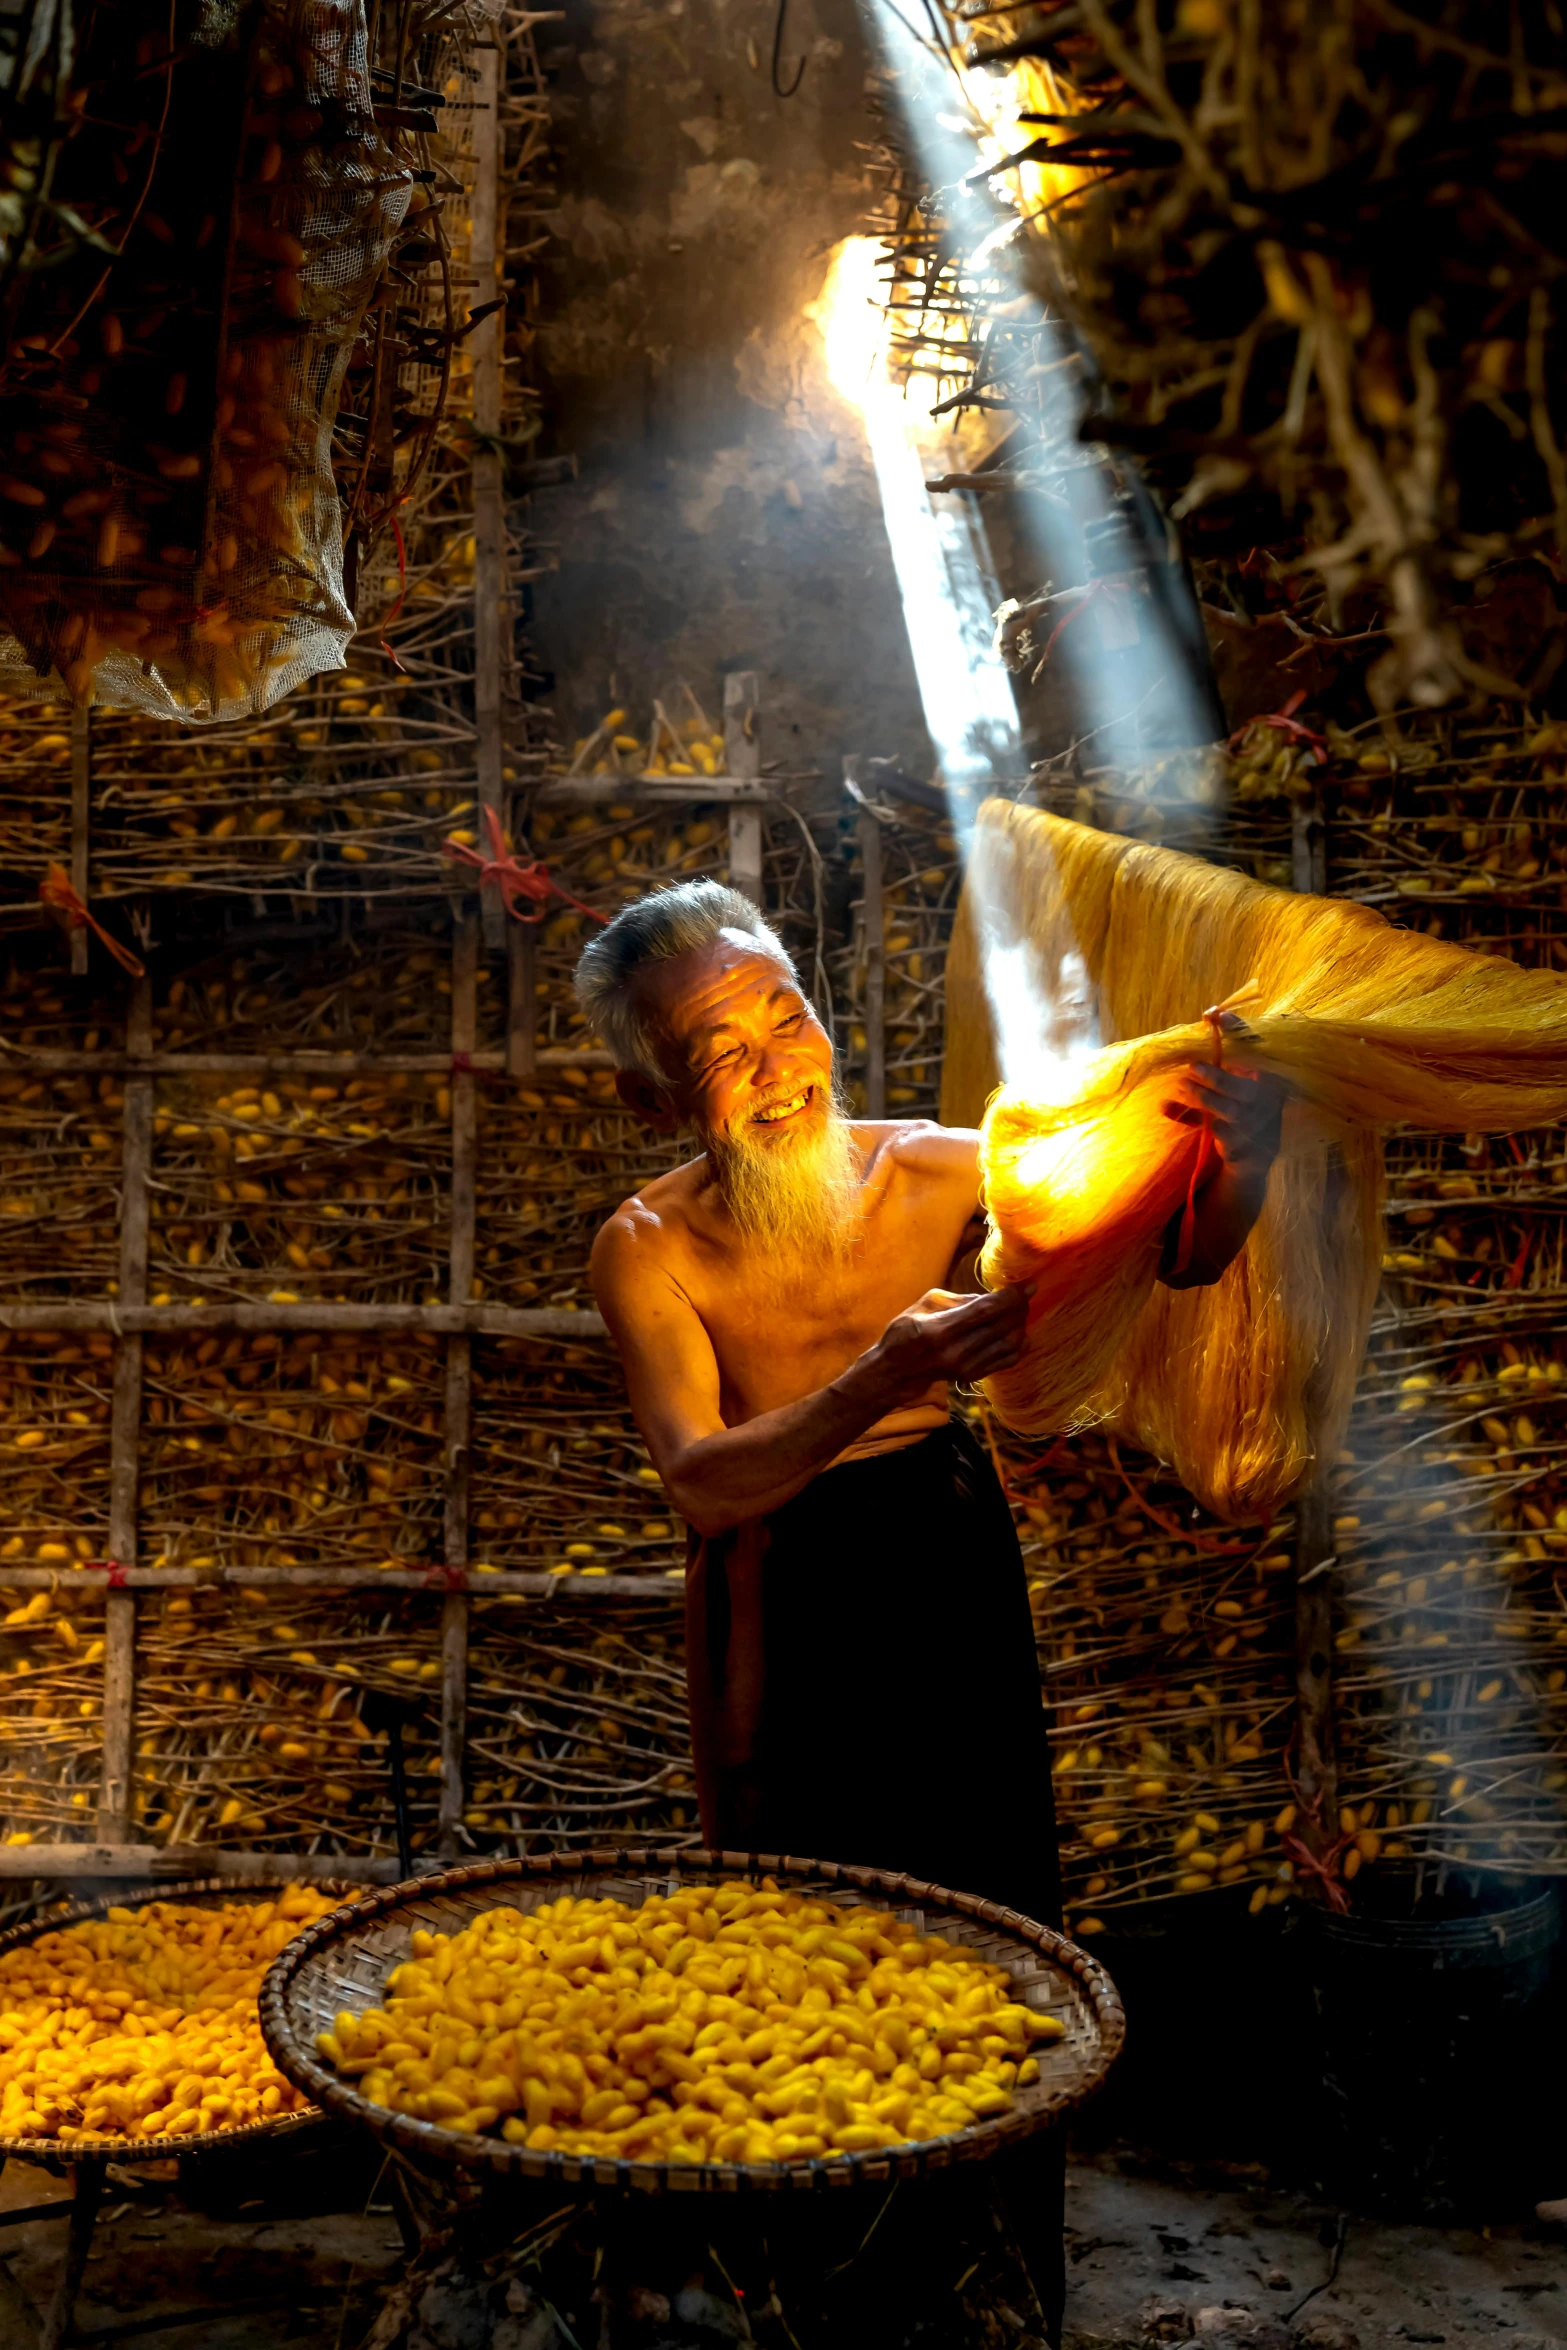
(943, 571)
(949, 597)
(958, 121)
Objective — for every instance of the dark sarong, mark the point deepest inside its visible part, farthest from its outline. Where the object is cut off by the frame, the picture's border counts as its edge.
(863, 1680)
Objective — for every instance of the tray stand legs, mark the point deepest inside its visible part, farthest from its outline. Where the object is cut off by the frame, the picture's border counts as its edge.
(59, 2325)
(1030, 2181)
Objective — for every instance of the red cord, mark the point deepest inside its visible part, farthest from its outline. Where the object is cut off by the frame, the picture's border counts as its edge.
(1285, 722)
(513, 878)
(56, 891)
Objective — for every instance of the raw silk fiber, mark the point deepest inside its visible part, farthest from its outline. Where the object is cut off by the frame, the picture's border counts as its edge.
(1240, 1385)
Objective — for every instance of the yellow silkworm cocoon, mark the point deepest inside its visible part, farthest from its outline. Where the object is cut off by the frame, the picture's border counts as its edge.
(142, 2024)
(726, 2022)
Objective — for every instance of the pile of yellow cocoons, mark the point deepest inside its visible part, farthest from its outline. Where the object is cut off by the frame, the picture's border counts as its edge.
(142, 2024)
(725, 2023)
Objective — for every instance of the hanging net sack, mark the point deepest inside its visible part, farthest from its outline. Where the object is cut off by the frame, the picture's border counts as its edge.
(1242, 1385)
(170, 534)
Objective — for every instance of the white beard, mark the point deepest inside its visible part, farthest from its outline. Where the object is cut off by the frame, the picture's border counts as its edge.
(795, 1199)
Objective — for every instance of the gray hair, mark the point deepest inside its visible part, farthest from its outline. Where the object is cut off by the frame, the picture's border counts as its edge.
(667, 922)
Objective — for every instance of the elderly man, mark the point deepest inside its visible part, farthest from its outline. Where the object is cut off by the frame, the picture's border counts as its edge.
(862, 1674)
(862, 1677)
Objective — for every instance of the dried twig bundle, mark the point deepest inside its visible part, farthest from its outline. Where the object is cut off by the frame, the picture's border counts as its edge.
(1310, 251)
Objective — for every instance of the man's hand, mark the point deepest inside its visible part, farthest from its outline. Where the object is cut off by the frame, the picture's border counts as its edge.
(1245, 1109)
(942, 1337)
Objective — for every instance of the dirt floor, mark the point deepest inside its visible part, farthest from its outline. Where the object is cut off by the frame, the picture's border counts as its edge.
(1157, 2252)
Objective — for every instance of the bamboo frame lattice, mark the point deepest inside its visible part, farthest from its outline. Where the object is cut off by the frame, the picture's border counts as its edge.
(302, 1400)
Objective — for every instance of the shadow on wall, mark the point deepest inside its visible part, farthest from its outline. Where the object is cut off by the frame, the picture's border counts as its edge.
(726, 513)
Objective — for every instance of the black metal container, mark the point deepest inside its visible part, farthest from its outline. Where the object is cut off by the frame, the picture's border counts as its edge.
(1438, 2046)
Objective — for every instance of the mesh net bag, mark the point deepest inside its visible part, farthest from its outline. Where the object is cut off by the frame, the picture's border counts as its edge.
(170, 534)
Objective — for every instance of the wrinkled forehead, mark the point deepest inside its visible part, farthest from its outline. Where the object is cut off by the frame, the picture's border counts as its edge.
(731, 982)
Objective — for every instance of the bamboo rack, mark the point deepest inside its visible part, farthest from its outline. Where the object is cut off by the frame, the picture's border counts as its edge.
(330, 1412)
(604, 1612)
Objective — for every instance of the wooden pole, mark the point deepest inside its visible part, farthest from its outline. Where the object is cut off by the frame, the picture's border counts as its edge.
(875, 1002)
(20, 1061)
(415, 1579)
(589, 791)
(491, 614)
(59, 2325)
(81, 805)
(459, 1385)
(173, 1863)
(743, 756)
(327, 1315)
(522, 1001)
(119, 1632)
(1308, 846)
(1316, 1769)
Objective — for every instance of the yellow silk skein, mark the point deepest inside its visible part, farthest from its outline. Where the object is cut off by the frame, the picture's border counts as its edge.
(1242, 1385)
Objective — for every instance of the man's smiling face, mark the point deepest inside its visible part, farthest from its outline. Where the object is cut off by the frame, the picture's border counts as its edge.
(745, 1057)
(749, 1065)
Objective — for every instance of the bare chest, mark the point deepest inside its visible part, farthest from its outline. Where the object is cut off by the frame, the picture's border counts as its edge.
(780, 1330)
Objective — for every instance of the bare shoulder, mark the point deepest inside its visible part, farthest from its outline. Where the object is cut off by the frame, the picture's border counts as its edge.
(647, 1234)
(923, 1147)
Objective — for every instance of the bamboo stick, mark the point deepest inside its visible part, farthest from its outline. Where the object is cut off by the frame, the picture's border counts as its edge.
(25, 1060)
(872, 915)
(1309, 845)
(125, 1432)
(476, 1319)
(593, 790)
(484, 1582)
(81, 798)
(491, 602)
(174, 1863)
(743, 752)
(1316, 1771)
(522, 1004)
(89, 2172)
(459, 1388)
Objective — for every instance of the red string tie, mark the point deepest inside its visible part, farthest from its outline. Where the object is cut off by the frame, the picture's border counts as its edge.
(461, 1064)
(447, 1579)
(56, 892)
(1115, 585)
(1324, 1870)
(1284, 721)
(514, 877)
(1520, 1263)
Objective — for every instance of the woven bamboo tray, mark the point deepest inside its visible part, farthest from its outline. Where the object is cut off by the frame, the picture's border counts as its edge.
(343, 1962)
(195, 1892)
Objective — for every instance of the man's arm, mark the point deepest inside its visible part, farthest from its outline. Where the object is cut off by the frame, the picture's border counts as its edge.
(716, 1476)
(1245, 1111)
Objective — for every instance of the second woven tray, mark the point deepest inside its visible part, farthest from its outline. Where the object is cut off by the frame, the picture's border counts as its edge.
(194, 1893)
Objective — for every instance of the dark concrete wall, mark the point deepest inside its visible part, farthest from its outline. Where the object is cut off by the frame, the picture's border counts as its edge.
(726, 513)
